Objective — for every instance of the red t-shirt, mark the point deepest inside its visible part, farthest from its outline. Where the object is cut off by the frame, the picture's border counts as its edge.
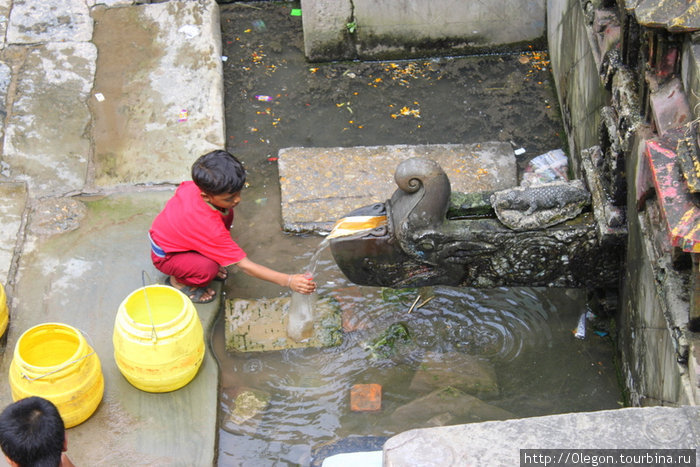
(188, 223)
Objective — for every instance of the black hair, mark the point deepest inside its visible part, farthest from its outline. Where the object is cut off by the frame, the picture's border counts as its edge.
(218, 172)
(32, 433)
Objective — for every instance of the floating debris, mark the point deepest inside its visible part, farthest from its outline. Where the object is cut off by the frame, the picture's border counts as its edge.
(406, 111)
(384, 345)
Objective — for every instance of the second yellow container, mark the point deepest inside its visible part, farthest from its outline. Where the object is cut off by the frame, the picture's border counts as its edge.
(54, 361)
(158, 339)
(4, 311)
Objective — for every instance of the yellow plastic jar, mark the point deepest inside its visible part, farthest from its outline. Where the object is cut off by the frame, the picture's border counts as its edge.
(54, 361)
(4, 311)
(158, 339)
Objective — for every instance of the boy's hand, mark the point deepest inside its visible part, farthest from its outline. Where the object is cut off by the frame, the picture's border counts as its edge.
(302, 283)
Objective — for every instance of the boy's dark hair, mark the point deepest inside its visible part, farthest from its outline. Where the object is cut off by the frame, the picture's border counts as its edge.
(32, 433)
(218, 172)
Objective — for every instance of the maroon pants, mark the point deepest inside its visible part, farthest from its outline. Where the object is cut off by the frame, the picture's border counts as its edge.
(188, 267)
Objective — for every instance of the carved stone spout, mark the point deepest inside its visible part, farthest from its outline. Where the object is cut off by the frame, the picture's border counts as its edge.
(432, 237)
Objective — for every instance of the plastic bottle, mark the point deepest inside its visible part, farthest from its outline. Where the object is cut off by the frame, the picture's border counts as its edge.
(300, 324)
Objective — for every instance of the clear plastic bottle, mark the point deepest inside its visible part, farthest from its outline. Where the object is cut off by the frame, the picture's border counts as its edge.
(300, 324)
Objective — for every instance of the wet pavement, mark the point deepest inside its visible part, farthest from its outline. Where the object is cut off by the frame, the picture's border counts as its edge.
(107, 106)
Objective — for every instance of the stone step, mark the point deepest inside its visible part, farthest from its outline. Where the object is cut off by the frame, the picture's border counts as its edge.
(261, 325)
(321, 185)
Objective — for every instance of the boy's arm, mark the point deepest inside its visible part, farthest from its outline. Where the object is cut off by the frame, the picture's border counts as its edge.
(296, 282)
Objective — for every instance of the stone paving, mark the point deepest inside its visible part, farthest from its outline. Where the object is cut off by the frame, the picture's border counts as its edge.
(499, 443)
(106, 105)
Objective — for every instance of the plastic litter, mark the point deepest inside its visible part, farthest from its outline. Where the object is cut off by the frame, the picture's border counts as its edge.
(259, 25)
(581, 328)
(300, 324)
(189, 30)
(99, 96)
(519, 151)
(182, 117)
(545, 168)
(348, 459)
(263, 98)
(295, 12)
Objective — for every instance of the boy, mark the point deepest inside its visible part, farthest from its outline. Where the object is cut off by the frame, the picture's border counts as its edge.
(190, 238)
(32, 433)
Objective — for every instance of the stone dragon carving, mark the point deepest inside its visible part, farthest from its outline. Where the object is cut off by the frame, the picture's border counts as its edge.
(429, 241)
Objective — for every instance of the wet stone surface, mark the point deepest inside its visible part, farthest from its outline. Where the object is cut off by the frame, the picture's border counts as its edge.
(321, 185)
(506, 98)
(11, 212)
(276, 100)
(57, 215)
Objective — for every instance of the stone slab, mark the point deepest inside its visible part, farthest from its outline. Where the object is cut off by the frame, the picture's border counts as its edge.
(670, 107)
(675, 16)
(5, 78)
(160, 82)
(391, 28)
(681, 216)
(321, 185)
(446, 406)
(13, 201)
(49, 21)
(79, 276)
(4, 19)
(498, 443)
(261, 325)
(46, 134)
(467, 373)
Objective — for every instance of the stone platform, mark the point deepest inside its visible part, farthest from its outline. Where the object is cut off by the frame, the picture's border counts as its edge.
(321, 185)
(107, 105)
(499, 443)
(261, 325)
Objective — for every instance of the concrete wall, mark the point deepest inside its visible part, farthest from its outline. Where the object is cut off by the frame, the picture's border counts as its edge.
(653, 303)
(653, 316)
(412, 28)
(581, 94)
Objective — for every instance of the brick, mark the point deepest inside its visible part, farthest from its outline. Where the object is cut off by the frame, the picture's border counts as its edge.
(366, 397)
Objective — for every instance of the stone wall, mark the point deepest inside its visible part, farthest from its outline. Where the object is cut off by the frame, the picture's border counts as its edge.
(589, 65)
(381, 29)
(581, 94)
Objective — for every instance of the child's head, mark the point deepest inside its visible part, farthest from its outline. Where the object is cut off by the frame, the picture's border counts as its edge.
(218, 172)
(32, 433)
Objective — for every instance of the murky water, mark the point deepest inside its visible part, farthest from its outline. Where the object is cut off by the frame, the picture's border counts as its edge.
(523, 336)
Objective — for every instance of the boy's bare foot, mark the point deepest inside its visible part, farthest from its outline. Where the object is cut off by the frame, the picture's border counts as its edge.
(196, 294)
(222, 274)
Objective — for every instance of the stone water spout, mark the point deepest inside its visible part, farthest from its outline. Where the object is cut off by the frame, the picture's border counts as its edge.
(538, 236)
